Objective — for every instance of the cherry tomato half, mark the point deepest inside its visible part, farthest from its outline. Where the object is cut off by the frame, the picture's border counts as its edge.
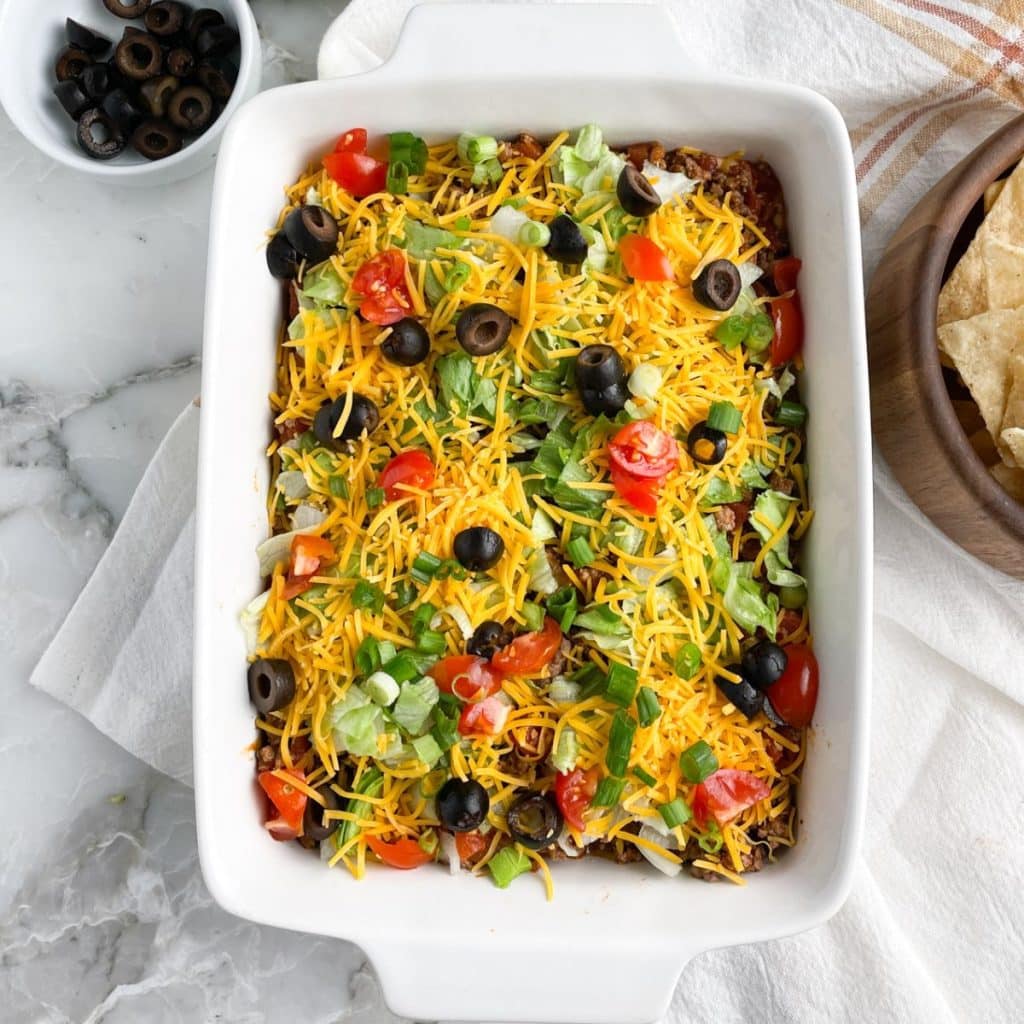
(356, 172)
(469, 845)
(573, 792)
(795, 693)
(352, 141)
(403, 854)
(412, 468)
(466, 676)
(641, 449)
(307, 554)
(725, 794)
(485, 718)
(787, 313)
(381, 283)
(530, 653)
(288, 801)
(643, 260)
(641, 493)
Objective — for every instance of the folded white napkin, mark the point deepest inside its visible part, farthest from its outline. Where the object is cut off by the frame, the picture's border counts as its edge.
(919, 84)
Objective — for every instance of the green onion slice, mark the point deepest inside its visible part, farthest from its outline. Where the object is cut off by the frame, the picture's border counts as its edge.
(697, 762)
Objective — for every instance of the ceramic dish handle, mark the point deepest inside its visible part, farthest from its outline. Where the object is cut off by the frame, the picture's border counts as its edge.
(489, 39)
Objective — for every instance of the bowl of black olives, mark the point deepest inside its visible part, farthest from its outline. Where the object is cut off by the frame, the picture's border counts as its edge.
(134, 91)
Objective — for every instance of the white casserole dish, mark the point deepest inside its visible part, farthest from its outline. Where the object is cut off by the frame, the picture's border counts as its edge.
(612, 944)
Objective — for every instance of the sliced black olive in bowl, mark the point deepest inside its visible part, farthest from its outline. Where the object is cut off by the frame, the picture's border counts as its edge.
(282, 260)
(742, 694)
(129, 9)
(99, 135)
(72, 98)
(483, 328)
(363, 416)
(181, 63)
(478, 548)
(718, 285)
(139, 56)
(191, 109)
(205, 17)
(71, 62)
(156, 139)
(488, 638)
(216, 41)
(462, 805)
(157, 93)
(599, 367)
(314, 825)
(567, 244)
(605, 401)
(84, 38)
(407, 344)
(635, 193)
(166, 18)
(218, 74)
(706, 445)
(271, 684)
(121, 108)
(312, 231)
(764, 663)
(534, 821)
(97, 80)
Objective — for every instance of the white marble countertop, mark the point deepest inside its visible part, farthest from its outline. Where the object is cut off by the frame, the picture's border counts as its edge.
(103, 913)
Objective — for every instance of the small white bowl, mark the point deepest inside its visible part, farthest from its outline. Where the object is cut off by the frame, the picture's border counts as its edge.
(31, 37)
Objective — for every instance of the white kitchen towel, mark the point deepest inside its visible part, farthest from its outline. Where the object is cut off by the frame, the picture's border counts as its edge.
(934, 930)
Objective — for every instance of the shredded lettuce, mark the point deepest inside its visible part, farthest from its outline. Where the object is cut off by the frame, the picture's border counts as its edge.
(767, 516)
(542, 527)
(602, 621)
(589, 165)
(463, 388)
(753, 475)
(744, 600)
(542, 579)
(563, 758)
(625, 536)
(307, 517)
(421, 240)
(249, 620)
(416, 700)
(292, 484)
(357, 731)
(720, 492)
(275, 549)
(777, 388)
(322, 286)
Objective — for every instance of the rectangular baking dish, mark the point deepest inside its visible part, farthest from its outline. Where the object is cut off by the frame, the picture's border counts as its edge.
(458, 948)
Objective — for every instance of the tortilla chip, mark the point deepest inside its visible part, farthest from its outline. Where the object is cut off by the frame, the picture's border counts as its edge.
(1003, 268)
(1013, 415)
(1012, 441)
(992, 193)
(1011, 480)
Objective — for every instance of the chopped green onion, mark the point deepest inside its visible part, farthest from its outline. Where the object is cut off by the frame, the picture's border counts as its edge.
(535, 234)
(645, 777)
(711, 841)
(791, 414)
(368, 656)
(591, 680)
(428, 842)
(608, 792)
(374, 497)
(793, 597)
(369, 785)
(733, 331)
(381, 688)
(402, 668)
(507, 865)
(457, 276)
(410, 149)
(464, 223)
(562, 606)
(387, 651)
(487, 170)
(762, 330)
(534, 616)
(675, 813)
(698, 762)
(397, 181)
(688, 661)
(431, 642)
(453, 568)
(428, 750)
(579, 552)
(620, 743)
(724, 416)
(338, 486)
(478, 148)
(422, 618)
(424, 567)
(366, 595)
(620, 685)
(648, 709)
(404, 594)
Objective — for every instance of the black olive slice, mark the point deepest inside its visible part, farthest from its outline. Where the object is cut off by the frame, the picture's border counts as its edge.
(314, 825)
(478, 548)
(462, 805)
(534, 821)
(98, 135)
(483, 328)
(191, 109)
(363, 416)
(741, 694)
(706, 445)
(567, 244)
(718, 285)
(282, 259)
(155, 139)
(205, 17)
(121, 108)
(598, 367)
(635, 193)
(72, 98)
(312, 232)
(271, 684)
(83, 38)
(764, 663)
(71, 62)
(218, 74)
(605, 401)
(216, 41)
(488, 638)
(165, 18)
(97, 80)
(121, 9)
(180, 62)
(157, 92)
(407, 344)
(139, 56)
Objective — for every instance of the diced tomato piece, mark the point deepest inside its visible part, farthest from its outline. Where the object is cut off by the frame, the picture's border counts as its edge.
(644, 260)
(470, 845)
(641, 449)
(403, 854)
(381, 283)
(641, 493)
(357, 173)
(308, 552)
(288, 801)
(573, 792)
(795, 693)
(485, 718)
(530, 653)
(725, 794)
(787, 312)
(466, 676)
(412, 468)
(353, 141)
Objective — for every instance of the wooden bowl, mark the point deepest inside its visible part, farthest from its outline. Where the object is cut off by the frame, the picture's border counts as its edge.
(914, 423)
